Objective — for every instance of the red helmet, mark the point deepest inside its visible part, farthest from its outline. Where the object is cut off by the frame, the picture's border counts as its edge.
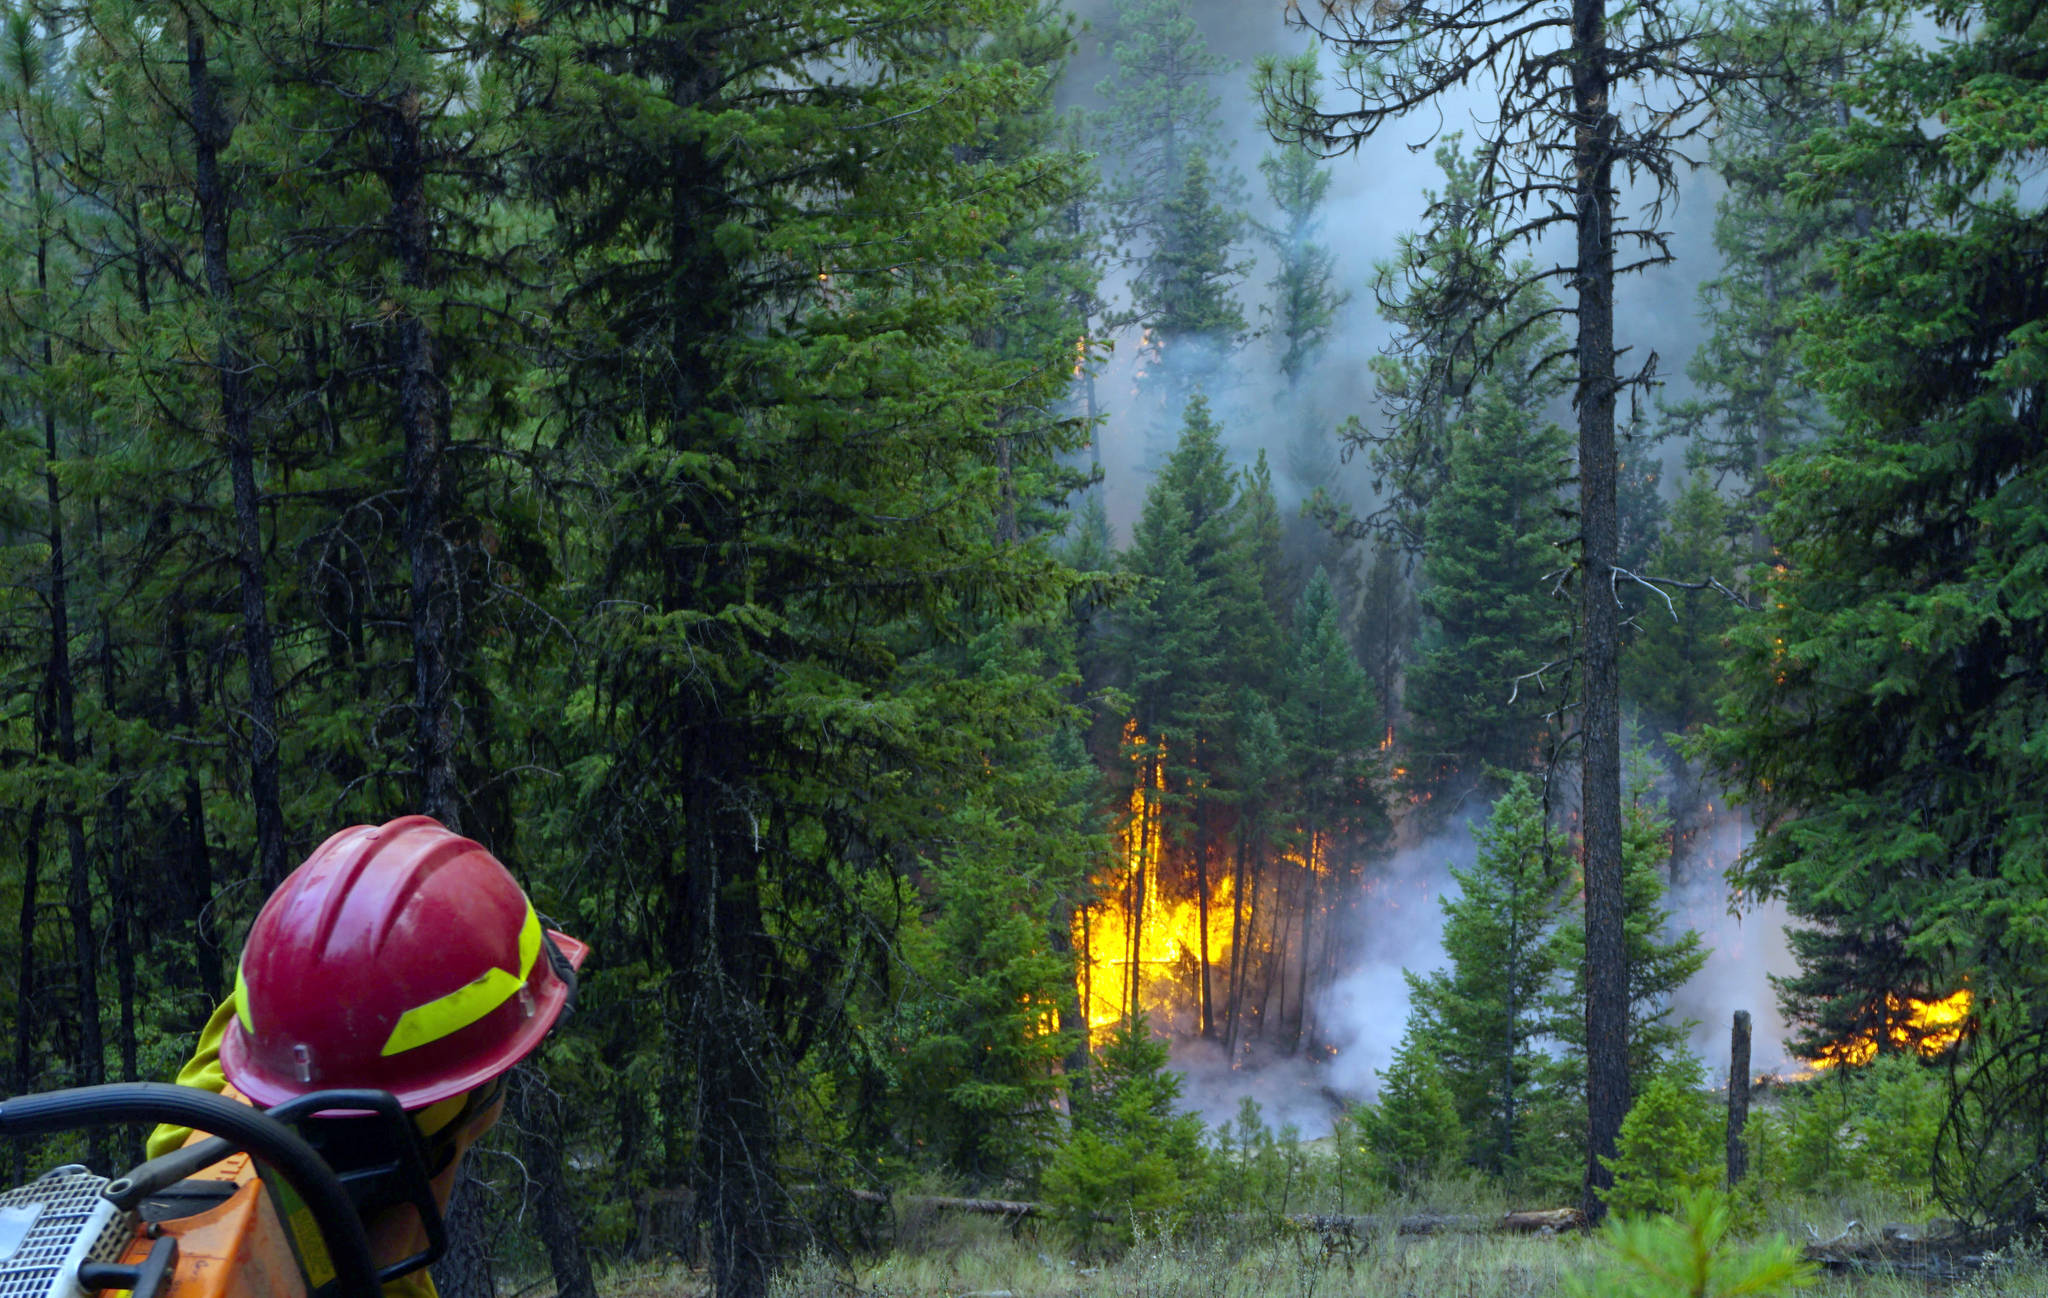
(401, 957)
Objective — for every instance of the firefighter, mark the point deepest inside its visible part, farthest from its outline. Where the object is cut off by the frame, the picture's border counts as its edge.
(400, 957)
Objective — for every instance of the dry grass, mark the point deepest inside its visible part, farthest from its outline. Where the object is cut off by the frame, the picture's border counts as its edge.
(949, 1255)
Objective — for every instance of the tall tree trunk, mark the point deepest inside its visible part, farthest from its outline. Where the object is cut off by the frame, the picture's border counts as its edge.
(1204, 840)
(1311, 901)
(467, 1269)
(195, 868)
(726, 958)
(423, 418)
(120, 897)
(1150, 837)
(1607, 1081)
(90, 1064)
(1738, 1098)
(537, 1112)
(1234, 991)
(26, 1076)
(211, 131)
(1073, 1002)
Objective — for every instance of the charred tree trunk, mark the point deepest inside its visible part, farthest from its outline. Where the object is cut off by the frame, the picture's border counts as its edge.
(1087, 964)
(1150, 841)
(1311, 901)
(211, 131)
(1234, 993)
(1738, 1099)
(1202, 846)
(1607, 1080)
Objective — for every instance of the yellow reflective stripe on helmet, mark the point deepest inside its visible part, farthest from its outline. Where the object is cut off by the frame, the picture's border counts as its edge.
(466, 1004)
(241, 999)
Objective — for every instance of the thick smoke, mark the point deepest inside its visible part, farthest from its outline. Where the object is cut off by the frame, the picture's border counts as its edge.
(1377, 197)
(1361, 1015)
(1401, 931)
(1749, 948)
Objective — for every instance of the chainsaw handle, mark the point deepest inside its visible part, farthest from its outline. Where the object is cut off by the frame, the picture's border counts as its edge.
(247, 1129)
(128, 1190)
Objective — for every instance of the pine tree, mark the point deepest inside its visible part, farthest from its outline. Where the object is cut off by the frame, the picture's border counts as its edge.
(987, 1013)
(777, 229)
(1757, 400)
(1332, 727)
(1882, 717)
(1672, 668)
(1577, 95)
(1128, 1152)
(1197, 604)
(1183, 293)
(1492, 535)
(1305, 301)
(1159, 110)
(1413, 1129)
(1484, 1016)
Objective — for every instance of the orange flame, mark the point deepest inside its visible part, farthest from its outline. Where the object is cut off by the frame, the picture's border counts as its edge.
(1158, 966)
(1930, 1027)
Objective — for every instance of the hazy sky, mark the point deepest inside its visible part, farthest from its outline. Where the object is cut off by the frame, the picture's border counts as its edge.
(1376, 197)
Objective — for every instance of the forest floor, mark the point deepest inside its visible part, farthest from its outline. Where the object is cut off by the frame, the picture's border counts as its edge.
(984, 1259)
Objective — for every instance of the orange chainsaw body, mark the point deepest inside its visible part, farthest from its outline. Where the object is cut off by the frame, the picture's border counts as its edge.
(238, 1248)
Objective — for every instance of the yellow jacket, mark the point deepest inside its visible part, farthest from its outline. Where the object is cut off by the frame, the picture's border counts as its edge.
(203, 1072)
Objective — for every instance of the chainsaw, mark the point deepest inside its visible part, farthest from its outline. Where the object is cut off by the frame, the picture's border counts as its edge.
(241, 1212)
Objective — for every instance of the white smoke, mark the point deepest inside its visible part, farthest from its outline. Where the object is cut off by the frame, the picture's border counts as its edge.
(1397, 927)
(1748, 944)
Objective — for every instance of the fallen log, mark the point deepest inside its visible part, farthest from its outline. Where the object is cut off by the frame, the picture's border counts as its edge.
(1534, 1222)
(1908, 1251)
(945, 1203)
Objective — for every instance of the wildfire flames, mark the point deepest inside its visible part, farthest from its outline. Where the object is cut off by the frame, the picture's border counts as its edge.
(1200, 929)
(1143, 948)
(1927, 1026)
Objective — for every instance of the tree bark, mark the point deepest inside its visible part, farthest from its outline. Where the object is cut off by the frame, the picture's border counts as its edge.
(466, 1267)
(120, 897)
(1202, 846)
(535, 1111)
(62, 691)
(1738, 1098)
(1607, 1081)
(211, 131)
(196, 870)
(423, 417)
(726, 957)
(1234, 985)
(26, 1078)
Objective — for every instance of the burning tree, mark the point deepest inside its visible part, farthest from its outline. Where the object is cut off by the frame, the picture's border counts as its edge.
(1245, 770)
